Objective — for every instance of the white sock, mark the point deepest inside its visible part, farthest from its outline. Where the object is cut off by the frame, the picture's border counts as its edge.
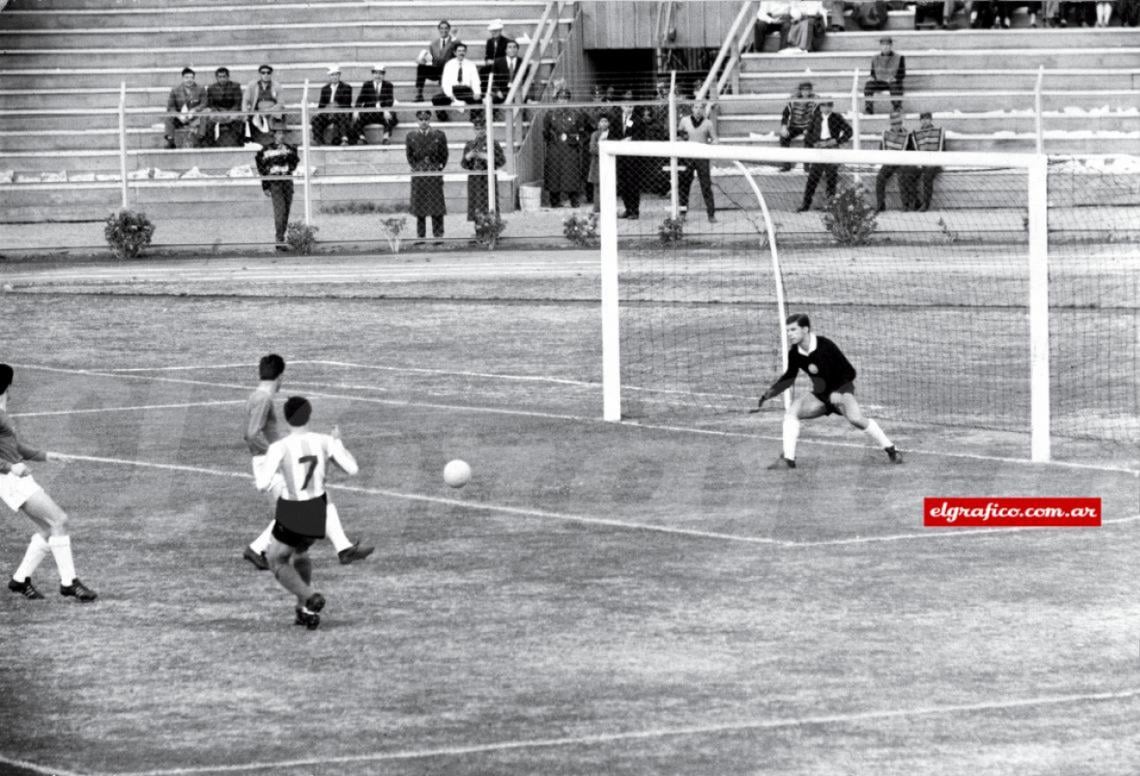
(60, 547)
(877, 434)
(37, 551)
(261, 543)
(333, 529)
(791, 436)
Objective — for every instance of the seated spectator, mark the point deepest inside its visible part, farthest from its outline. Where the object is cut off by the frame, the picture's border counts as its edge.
(334, 94)
(836, 15)
(926, 138)
(772, 16)
(870, 15)
(185, 102)
(1078, 14)
(1005, 9)
(504, 71)
(888, 70)
(376, 93)
(224, 96)
(796, 117)
(495, 48)
(1129, 12)
(429, 64)
(1103, 13)
(460, 82)
(809, 24)
(896, 138)
(260, 102)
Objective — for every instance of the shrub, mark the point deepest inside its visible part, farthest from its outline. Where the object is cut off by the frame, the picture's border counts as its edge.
(671, 230)
(128, 233)
(392, 228)
(488, 227)
(301, 237)
(581, 229)
(849, 218)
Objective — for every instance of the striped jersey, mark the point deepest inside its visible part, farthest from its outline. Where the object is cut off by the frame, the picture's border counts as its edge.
(303, 460)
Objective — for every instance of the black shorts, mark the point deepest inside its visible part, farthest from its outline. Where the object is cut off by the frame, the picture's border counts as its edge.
(300, 521)
(825, 398)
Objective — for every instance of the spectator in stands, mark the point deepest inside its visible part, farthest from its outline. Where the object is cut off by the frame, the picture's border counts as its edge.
(827, 130)
(275, 164)
(495, 48)
(1078, 14)
(260, 102)
(896, 138)
(695, 128)
(379, 95)
(427, 156)
(888, 70)
(460, 82)
(475, 157)
(796, 117)
(597, 136)
(836, 15)
(334, 94)
(809, 25)
(566, 134)
(429, 64)
(927, 138)
(1005, 9)
(1104, 13)
(1129, 12)
(185, 102)
(504, 71)
(772, 16)
(870, 14)
(224, 96)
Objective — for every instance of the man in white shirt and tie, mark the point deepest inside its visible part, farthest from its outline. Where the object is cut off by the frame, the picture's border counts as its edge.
(460, 82)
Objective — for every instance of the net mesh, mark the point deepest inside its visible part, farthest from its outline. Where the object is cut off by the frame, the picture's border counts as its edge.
(930, 304)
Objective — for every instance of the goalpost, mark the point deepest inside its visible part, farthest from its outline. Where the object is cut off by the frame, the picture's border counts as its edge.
(947, 307)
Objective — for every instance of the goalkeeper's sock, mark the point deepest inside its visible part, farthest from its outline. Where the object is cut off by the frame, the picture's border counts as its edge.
(877, 434)
(791, 436)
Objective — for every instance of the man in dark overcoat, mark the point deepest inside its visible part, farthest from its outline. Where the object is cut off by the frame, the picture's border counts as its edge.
(427, 153)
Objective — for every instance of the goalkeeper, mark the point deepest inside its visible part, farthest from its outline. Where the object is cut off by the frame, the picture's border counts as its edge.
(832, 390)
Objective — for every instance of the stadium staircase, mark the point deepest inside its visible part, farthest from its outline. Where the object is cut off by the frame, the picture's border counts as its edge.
(62, 65)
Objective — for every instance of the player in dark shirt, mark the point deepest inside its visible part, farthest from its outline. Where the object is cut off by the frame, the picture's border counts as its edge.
(832, 390)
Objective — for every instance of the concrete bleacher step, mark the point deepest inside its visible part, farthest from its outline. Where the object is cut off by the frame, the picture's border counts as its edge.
(915, 102)
(390, 9)
(975, 123)
(1055, 143)
(908, 41)
(930, 59)
(939, 80)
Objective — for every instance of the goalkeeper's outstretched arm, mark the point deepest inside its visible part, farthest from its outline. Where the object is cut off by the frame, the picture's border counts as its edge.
(783, 383)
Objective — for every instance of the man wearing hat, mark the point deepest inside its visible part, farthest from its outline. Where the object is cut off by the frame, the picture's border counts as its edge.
(275, 164)
(337, 95)
(185, 101)
(376, 93)
(827, 130)
(260, 103)
(427, 156)
(796, 117)
(496, 47)
(888, 70)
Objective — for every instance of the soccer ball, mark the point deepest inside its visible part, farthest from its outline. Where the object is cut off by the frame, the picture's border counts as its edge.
(457, 473)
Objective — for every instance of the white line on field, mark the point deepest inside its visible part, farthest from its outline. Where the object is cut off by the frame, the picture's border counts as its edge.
(592, 420)
(129, 409)
(44, 769)
(842, 718)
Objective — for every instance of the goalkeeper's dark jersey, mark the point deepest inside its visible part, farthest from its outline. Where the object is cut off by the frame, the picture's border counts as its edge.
(827, 367)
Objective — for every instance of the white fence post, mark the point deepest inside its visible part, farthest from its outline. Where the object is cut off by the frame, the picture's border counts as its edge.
(123, 144)
(305, 140)
(492, 186)
(674, 195)
(1037, 110)
(856, 114)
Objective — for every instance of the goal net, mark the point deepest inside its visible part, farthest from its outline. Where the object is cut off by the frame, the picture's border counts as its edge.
(983, 291)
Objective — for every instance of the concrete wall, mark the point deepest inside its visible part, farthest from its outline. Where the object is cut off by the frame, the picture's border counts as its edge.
(623, 24)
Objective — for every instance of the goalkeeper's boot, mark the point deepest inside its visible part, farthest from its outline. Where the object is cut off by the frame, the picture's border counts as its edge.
(79, 591)
(894, 455)
(783, 463)
(25, 588)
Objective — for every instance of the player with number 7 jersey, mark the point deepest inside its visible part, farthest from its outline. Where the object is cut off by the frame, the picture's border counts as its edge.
(302, 457)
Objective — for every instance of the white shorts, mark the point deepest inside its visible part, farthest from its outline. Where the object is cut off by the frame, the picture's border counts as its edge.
(15, 491)
(276, 483)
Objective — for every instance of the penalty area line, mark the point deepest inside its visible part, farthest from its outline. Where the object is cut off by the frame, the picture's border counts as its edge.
(811, 720)
(91, 410)
(36, 768)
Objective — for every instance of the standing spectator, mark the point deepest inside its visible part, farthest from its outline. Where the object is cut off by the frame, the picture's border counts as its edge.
(376, 94)
(772, 16)
(565, 133)
(224, 96)
(183, 105)
(429, 64)
(888, 70)
(504, 71)
(475, 157)
(427, 153)
(694, 128)
(927, 138)
(334, 94)
(495, 48)
(827, 130)
(597, 136)
(896, 138)
(260, 104)
(275, 164)
(631, 169)
(796, 117)
(460, 81)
